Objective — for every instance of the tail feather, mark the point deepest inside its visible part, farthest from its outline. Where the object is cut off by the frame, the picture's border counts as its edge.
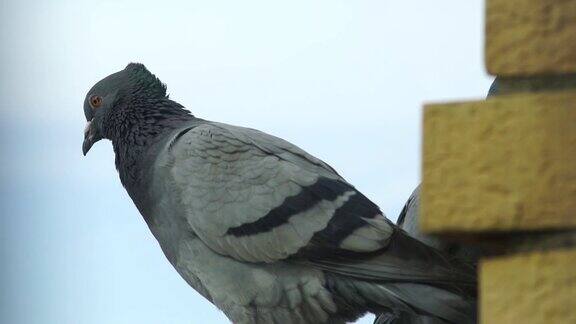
(404, 259)
(407, 318)
(404, 302)
(407, 278)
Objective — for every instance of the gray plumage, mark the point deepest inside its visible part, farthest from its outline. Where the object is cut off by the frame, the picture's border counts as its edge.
(262, 229)
(408, 221)
(494, 88)
(466, 254)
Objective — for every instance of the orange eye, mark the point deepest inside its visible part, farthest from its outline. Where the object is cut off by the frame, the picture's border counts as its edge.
(95, 101)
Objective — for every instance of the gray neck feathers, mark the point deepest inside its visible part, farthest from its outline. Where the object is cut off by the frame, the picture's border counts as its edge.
(134, 128)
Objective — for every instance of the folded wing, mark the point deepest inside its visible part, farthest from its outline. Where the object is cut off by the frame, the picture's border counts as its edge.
(258, 198)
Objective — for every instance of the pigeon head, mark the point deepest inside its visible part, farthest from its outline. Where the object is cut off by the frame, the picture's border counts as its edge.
(106, 99)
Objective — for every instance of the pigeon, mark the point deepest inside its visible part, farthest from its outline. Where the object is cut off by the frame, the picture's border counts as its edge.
(262, 229)
(494, 88)
(408, 221)
(408, 218)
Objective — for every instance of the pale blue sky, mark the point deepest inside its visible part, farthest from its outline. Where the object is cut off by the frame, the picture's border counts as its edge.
(345, 80)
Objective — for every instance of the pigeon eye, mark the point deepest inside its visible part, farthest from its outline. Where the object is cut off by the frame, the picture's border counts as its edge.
(95, 101)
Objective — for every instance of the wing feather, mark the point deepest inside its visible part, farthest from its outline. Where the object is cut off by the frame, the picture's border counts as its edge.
(258, 198)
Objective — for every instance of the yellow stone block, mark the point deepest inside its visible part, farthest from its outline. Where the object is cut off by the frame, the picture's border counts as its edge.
(528, 37)
(534, 288)
(504, 164)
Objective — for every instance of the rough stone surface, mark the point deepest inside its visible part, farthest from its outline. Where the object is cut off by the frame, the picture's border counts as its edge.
(504, 164)
(530, 37)
(537, 287)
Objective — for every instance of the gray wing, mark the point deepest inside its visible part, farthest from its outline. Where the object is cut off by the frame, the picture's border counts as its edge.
(408, 221)
(258, 198)
(408, 218)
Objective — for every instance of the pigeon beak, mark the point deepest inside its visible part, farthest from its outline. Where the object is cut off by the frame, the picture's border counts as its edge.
(89, 138)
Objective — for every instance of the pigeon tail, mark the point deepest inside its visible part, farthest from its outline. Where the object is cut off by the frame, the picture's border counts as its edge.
(407, 318)
(408, 280)
(402, 302)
